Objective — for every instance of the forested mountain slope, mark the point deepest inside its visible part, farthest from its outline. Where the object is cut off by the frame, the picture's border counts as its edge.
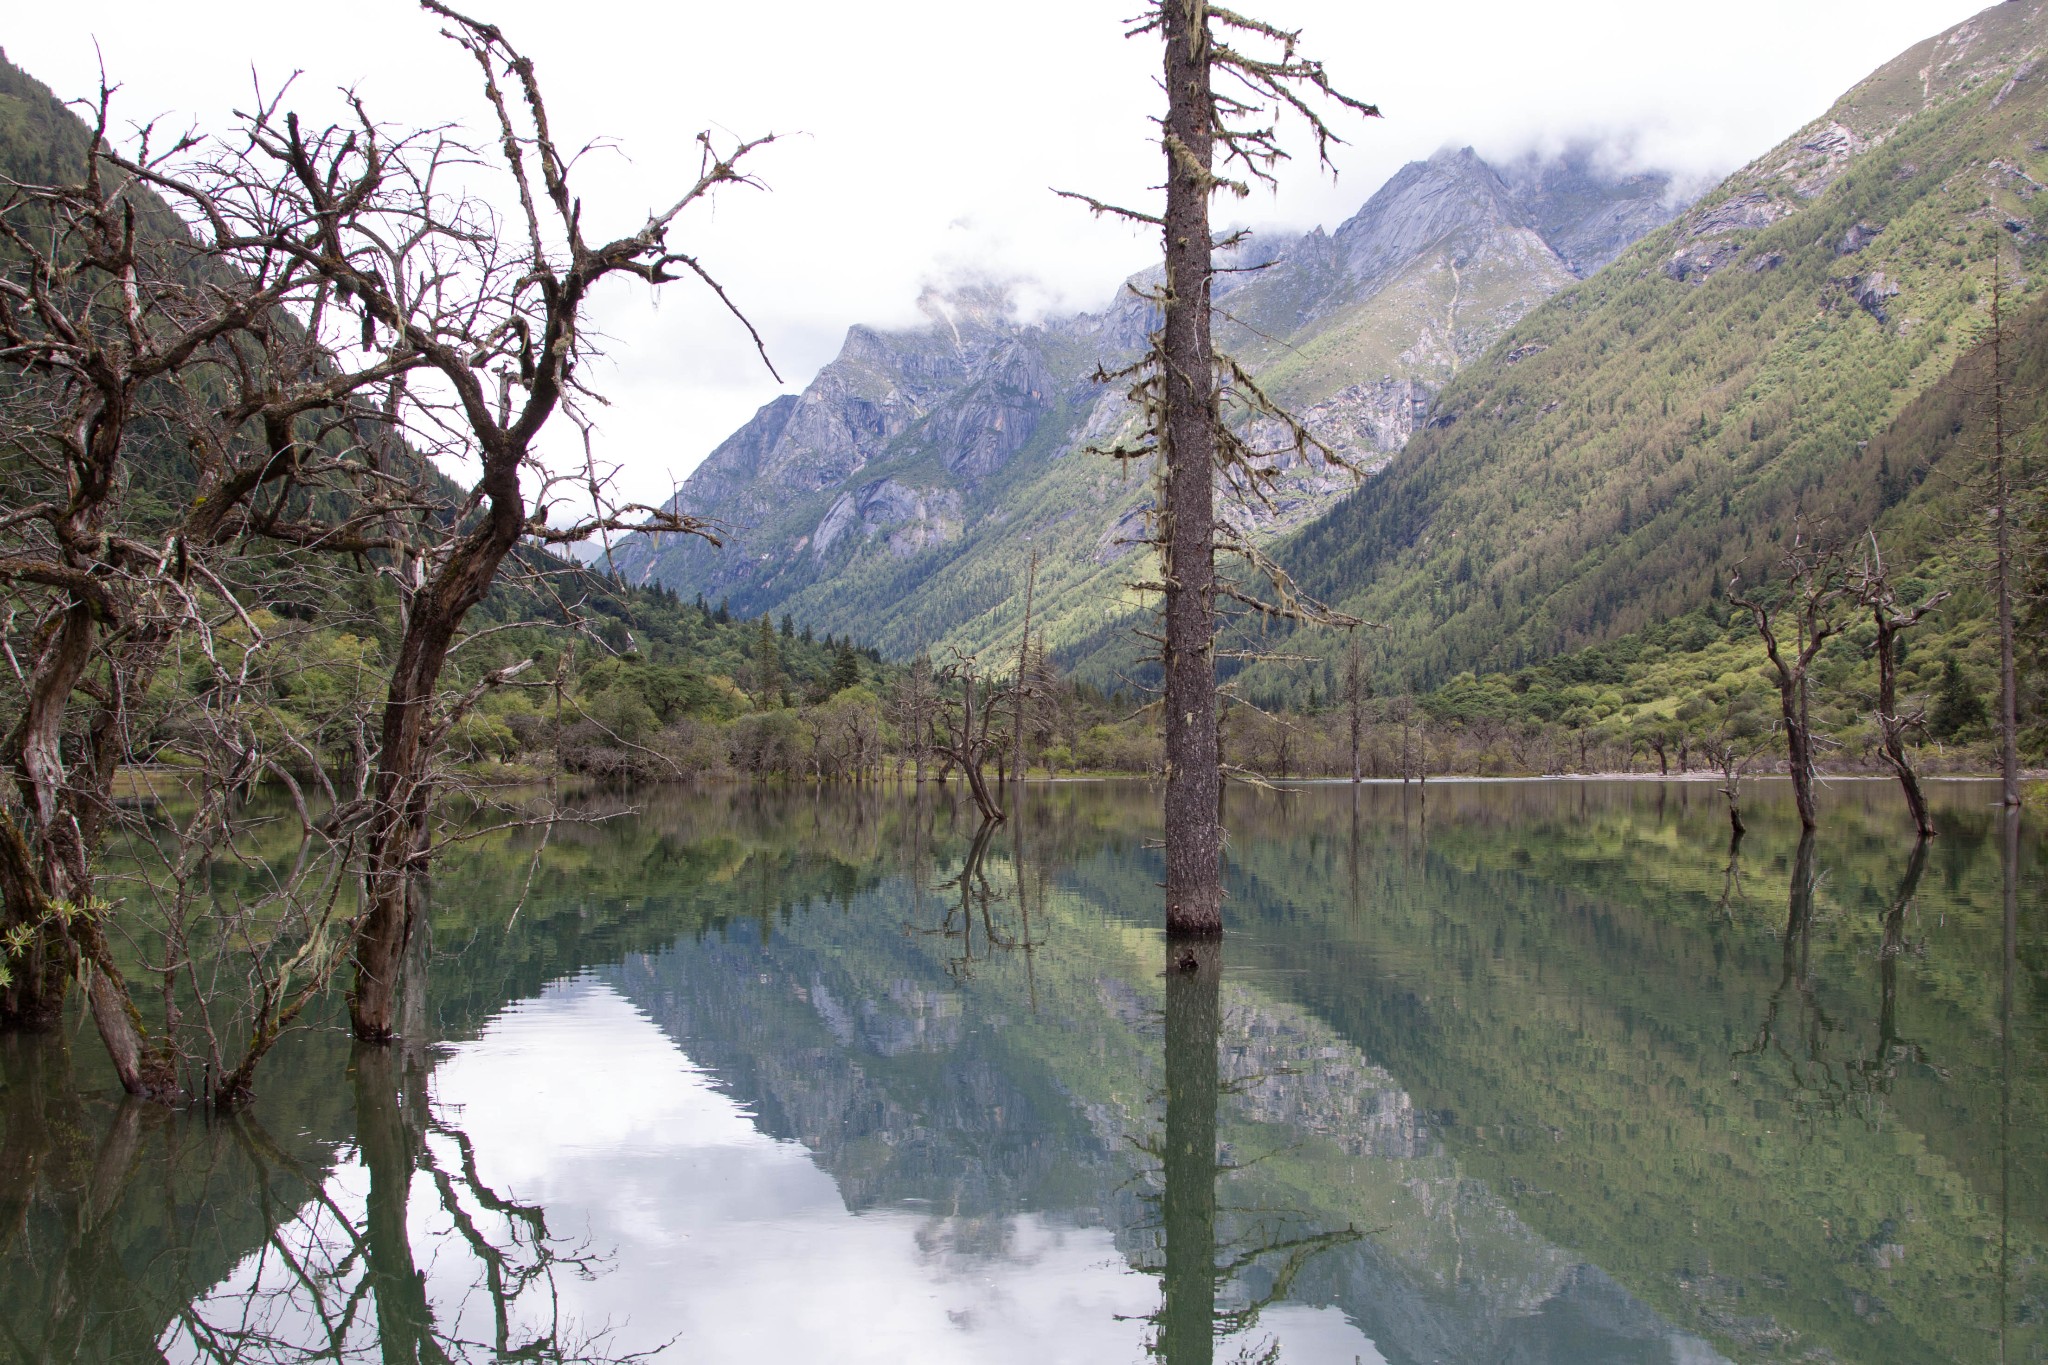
(902, 494)
(1624, 447)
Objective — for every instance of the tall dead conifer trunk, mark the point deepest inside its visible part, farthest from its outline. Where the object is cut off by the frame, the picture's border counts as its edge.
(1194, 837)
(1354, 708)
(1021, 694)
(2002, 554)
(1183, 388)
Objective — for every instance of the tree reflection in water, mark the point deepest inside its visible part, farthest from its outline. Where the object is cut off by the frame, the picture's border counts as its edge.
(1194, 1016)
(1796, 1028)
(2009, 870)
(1270, 1243)
(335, 1273)
(973, 908)
(1881, 1069)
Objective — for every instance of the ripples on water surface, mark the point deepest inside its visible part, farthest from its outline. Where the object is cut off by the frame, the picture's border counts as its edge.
(1530, 1072)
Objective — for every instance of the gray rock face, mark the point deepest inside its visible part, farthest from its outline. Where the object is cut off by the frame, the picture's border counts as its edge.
(1741, 213)
(1424, 202)
(1699, 260)
(1871, 292)
(1858, 236)
(1589, 215)
(993, 418)
(913, 518)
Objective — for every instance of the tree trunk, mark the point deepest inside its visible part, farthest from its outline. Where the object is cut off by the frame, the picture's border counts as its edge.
(49, 884)
(1023, 666)
(1194, 839)
(399, 829)
(1798, 751)
(33, 1000)
(1893, 729)
(2001, 513)
(971, 755)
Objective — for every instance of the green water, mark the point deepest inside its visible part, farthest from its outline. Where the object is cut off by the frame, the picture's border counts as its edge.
(1528, 1072)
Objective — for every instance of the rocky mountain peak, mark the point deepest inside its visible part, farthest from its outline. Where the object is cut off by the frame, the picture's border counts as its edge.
(1588, 209)
(1425, 202)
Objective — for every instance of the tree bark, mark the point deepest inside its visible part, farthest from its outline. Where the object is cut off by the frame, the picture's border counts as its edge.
(1354, 705)
(1798, 749)
(46, 874)
(1893, 728)
(399, 829)
(1194, 838)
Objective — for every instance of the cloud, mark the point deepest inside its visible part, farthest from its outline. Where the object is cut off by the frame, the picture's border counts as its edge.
(932, 133)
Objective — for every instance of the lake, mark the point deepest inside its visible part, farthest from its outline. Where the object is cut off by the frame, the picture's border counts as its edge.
(1501, 1072)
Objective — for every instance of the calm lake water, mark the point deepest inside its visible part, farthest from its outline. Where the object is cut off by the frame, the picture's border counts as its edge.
(1528, 1072)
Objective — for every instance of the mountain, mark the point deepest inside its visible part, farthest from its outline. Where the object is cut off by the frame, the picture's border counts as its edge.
(1625, 446)
(1580, 409)
(904, 492)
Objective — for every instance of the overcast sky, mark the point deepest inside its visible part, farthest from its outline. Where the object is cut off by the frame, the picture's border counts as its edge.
(926, 132)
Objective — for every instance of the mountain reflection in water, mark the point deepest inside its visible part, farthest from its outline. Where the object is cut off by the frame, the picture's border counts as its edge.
(1530, 1073)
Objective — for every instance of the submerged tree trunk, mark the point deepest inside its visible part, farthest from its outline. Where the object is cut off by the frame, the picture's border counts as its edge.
(1798, 749)
(1194, 839)
(399, 828)
(1874, 589)
(46, 874)
(1814, 583)
(1889, 724)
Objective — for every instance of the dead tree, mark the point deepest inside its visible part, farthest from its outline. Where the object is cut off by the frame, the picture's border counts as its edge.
(915, 707)
(1729, 745)
(1195, 402)
(1730, 760)
(964, 740)
(1875, 592)
(1815, 588)
(1357, 690)
(2001, 493)
(434, 281)
(1021, 691)
(118, 326)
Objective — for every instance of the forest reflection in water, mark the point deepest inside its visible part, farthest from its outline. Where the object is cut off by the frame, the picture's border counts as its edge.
(1538, 1072)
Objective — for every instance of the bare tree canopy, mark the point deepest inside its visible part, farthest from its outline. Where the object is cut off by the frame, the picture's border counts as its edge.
(311, 318)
